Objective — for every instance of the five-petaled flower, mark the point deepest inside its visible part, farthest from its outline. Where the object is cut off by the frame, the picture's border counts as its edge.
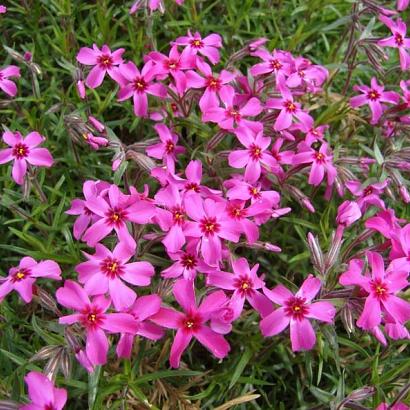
(7, 85)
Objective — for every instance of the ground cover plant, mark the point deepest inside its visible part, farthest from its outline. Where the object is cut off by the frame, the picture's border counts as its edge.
(204, 204)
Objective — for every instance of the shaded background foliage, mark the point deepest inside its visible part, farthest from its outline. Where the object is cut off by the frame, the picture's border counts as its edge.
(54, 31)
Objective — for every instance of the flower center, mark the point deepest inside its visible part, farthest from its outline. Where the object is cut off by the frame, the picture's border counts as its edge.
(209, 226)
(275, 64)
(373, 95)
(92, 317)
(398, 38)
(178, 214)
(20, 151)
(244, 285)
(111, 267)
(50, 407)
(379, 289)
(254, 192)
(169, 147)
(172, 64)
(213, 83)
(235, 114)
(105, 61)
(255, 152)
(296, 307)
(20, 275)
(368, 191)
(319, 157)
(236, 212)
(189, 261)
(140, 85)
(290, 106)
(197, 43)
(192, 186)
(116, 216)
(191, 322)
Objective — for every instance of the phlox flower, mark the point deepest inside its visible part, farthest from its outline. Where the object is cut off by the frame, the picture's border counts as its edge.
(402, 4)
(92, 316)
(7, 85)
(142, 309)
(221, 320)
(138, 84)
(106, 271)
(254, 157)
(103, 61)
(245, 285)
(306, 74)
(212, 83)
(397, 40)
(381, 287)
(321, 162)
(192, 322)
(167, 149)
(295, 310)
(374, 96)
(3, 9)
(23, 151)
(43, 394)
(348, 213)
(231, 114)
(397, 406)
(22, 277)
(384, 222)
(400, 252)
(289, 109)
(278, 63)
(116, 209)
(195, 44)
(369, 195)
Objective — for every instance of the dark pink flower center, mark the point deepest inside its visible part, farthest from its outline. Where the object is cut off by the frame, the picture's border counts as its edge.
(197, 43)
(319, 157)
(254, 192)
(244, 285)
(178, 214)
(192, 322)
(209, 226)
(290, 106)
(112, 267)
(169, 147)
(301, 73)
(233, 113)
(379, 289)
(20, 275)
(373, 95)
(172, 64)
(189, 261)
(140, 85)
(50, 407)
(116, 216)
(368, 191)
(276, 64)
(92, 317)
(20, 150)
(296, 307)
(213, 83)
(192, 186)
(105, 61)
(398, 38)
(255, 152)
(236, 212)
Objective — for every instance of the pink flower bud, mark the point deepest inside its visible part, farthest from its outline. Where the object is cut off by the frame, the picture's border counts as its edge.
(348, 213)
(81, 89)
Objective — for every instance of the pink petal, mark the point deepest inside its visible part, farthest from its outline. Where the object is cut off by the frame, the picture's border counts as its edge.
(40, 388)
(46, 269)
(95, 77)
(33, 139)
(279, 294)
(25, 289)
(184, 294)
(40, 157)
(120, 323)
(302, 335)
(8, 87)
(72, 295)
(6, 155)
(124, 345)
(146, 306)
(140, 105)
(323, 311)
(371, 315)
(212, 303)
(309, 288)
(274, 323)
(138, 273)
(87, 56)
(283, 121)
(180, 343)
(122, 296)
(168, 318)
(213, 341)
(398, 308)
(223, 280)
(19, 171)
(97, 346)
(96, 232)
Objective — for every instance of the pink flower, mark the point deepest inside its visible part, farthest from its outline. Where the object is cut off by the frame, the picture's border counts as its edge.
(92, 316)
(288, 110)
(7, 85)
(23, 150)
(402, 4)
(142, 310)
(348, 213)
(370, 195)
(167, 149)
(208, 46)
(245, 285)
(211, 225)
(138, 85)
(191, 323)
(321, 161)
(381, 287)
(400, 252)
(3, 9)
(81, 89)
(106, 271)
(296, 310)
(212, 83)
(43, 394)
(278, 63)
(115, 211)
(374, 96)
(152, 4)
(22, 278)
(231, 114)
(307, 74)
(397, 406)
(104, 62)
(255, 155)
(397, 40)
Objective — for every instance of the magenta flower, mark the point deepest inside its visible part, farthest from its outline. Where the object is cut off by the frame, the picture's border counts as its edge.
(104, 62)
(321, 162)
(115, 211)
(381, 287)
(23, 150)
(245, 285)
(22, 278)
(167, 149)
(195, 44)
(288, 110)
(307, 74)
(397, 40)
(278, 63)
(7, 85)
(400, 253)
(254, 157)
(212, 83)
(369, 195)
(402, 4)
(295, 310)
(374, 96)
(191, 323)
(138, 84)
(397, 406)
(43, 394)
(106, 271)
(211, 225)
(231, 114)
(348, 213)
(92, 316)
(3, 9)
(142, 310)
